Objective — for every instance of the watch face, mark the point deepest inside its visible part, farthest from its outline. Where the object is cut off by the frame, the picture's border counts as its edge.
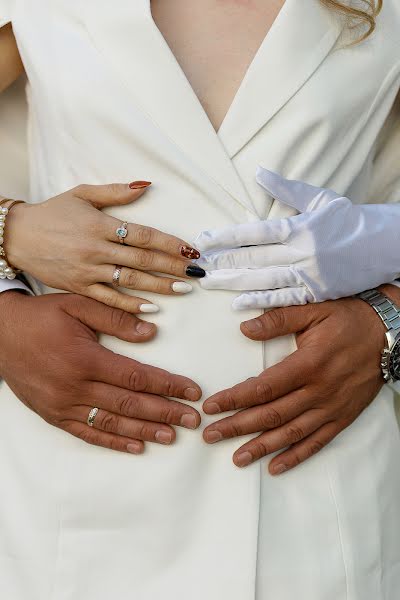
(394, 363)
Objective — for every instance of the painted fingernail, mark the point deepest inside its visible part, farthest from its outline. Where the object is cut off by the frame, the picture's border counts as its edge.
(254, 325)
(164, 437)
(180, 287)
(189, 252)
(213, 436)
(279, 469)
(138, 185)
(188, 421)
(149, 308)
(133, 449)
(195, 271)
(192, 394)
(144, 328)
(212, 408)
(244, 459)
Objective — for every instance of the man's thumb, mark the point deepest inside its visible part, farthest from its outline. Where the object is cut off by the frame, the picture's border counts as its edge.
(111, 194)
(278, 322)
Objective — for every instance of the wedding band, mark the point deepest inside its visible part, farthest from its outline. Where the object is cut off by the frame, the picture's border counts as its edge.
(92, 415)
(116, 276)
(122, 232)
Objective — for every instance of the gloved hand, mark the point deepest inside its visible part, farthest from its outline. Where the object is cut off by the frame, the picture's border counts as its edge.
(331, 250)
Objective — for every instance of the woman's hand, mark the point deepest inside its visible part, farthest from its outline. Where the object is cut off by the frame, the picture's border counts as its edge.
(303, 402)
(333, 249)
(69, 244)
(50, 357)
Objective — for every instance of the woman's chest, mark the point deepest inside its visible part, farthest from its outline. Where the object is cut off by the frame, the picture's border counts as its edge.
(214, 43)
(106, 89)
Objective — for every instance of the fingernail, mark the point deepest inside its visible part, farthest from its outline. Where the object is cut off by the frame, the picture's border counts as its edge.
(189, 252)
(244, 459)
(133, 449)
(195, 271)
(212, 408)
(144, 328)
(213, 436)
(164, 437)
(149, 308)
(180, 287)
(138, 185)
(188, 421)
(254, 325)
(192, 394)
(279, 469)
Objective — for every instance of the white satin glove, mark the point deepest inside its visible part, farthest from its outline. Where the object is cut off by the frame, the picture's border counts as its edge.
(331, 250)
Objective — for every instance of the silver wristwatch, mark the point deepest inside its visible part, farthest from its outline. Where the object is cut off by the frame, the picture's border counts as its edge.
(390, 315)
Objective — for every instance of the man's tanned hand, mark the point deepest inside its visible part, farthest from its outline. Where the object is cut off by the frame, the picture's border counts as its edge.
(303, 402)
(61, 371)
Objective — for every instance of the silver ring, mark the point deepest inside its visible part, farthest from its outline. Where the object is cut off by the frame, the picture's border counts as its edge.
(116, 276)
(122, 232)
(92, 415)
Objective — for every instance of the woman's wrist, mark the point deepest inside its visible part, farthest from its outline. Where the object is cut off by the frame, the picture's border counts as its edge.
(13, 238)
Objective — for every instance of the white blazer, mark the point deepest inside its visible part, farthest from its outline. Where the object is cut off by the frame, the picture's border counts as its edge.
(108, 102)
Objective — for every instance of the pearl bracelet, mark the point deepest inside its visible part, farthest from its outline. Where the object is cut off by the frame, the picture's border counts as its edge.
(6, 270)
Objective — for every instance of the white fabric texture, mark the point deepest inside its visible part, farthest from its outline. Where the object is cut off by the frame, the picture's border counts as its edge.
(14, 284)
(5, 11)
(108, 102)
(332, 249)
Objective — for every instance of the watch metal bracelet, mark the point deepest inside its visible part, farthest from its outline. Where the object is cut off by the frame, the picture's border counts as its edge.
(388, 312)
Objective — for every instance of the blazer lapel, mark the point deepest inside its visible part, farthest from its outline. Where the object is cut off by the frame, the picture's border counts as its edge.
(129, 39)
(299, 40)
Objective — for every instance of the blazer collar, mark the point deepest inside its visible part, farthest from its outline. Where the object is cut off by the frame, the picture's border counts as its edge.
(127, 36)
(302, 36)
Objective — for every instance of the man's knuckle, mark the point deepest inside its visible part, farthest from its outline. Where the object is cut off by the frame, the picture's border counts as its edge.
(143, 432)
(87, 436)
(137, 380)
(109, 423)
(234, 429)
(114, 444)
(261, 448)
(294, 434)
(126, 405)
(270, 418)
(263, 392)
(314, 447)
(296, 459)
(276, 318)
(117, 319)
(168, 414)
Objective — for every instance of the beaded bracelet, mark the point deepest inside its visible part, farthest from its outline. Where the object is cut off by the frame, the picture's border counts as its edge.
(6, 270)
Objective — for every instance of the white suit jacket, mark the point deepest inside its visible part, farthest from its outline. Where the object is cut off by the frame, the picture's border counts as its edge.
(108, 102)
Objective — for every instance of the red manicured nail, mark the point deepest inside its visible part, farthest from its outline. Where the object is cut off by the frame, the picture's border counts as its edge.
(189, 252)
(138, 185)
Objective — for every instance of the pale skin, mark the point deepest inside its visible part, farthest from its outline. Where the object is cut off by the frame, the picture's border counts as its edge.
(291, 407)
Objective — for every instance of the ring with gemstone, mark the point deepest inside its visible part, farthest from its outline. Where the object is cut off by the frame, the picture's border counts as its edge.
(116, 275)
(92, 415)
(122, 232)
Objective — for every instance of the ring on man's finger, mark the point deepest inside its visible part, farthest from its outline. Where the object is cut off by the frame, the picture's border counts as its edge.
(92, 415)
(122, 232)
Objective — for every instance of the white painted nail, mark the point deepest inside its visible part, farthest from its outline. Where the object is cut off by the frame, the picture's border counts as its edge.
(149, 308)
(181, 287)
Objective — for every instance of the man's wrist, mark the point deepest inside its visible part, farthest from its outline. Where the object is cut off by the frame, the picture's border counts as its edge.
(392, 292)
